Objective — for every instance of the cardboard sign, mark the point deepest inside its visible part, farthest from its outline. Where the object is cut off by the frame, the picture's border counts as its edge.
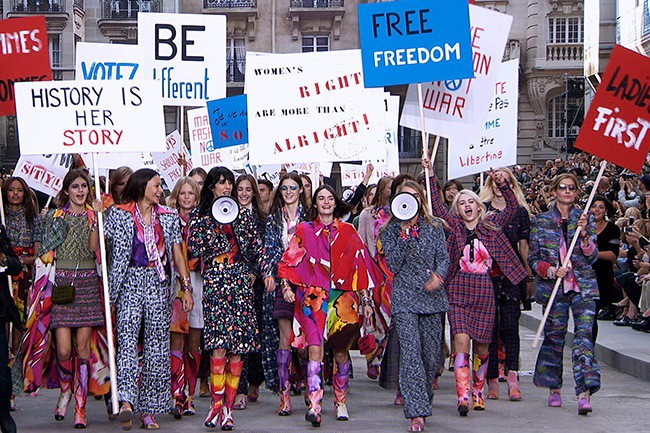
(110, 161)
(617, 124)
(108, 62)
(167, 161)
(24, 56)
(451, 106)
(204, 154)
(44, 173)
(89, 116)
(312, 107)
(186, 55)
(228, 121)
(497, 146)
(412, 41)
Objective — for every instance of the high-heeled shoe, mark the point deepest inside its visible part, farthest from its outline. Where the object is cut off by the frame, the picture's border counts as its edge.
(148, 422)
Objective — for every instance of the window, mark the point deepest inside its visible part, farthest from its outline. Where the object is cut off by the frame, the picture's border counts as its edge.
(54, 41)
(315, 43)
(556, 117)
(235, 60)
(565, 30)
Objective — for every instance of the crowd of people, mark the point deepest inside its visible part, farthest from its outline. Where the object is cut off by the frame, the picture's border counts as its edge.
(281, 295)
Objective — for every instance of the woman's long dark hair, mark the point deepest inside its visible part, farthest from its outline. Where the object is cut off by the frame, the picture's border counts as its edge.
(278, 200)
(62, 198)
(256, 193)
(341, 208)
(30, 203)
(137, 184)
(118, 175)
(207, 195)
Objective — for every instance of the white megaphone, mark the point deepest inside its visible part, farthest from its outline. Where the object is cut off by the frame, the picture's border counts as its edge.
(404, 206)
(225, 209)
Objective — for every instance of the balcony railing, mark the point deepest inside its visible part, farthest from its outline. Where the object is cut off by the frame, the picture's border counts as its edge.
(216, 4)
(234, 68)
(564, 52)
(129, 9)
(410, 146)
(38, 6)
(316, 4)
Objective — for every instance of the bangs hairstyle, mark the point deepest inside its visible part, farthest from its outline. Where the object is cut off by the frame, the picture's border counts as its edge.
(62, 198)
(116, 177)
(400, 179)
(487, 192)
(377, 200)
(207, 195)
(449, 185)
(173, 197)
(424, 212)
(482, 210)
(137, 184)
(278, 200)
(557, 180)
(256, 192)
(609, 207)
(30, 203)
(340, 207)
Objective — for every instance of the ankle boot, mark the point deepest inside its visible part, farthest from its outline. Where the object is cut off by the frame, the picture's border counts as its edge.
(461, 374)
(64, 369)
(177, 383)
(340, 385)
(513, 386)
(284, 358)
(80, 392)
(191, 361)
(313, 415)
(217, 386)
(493, 389)
(233, 373)
(479, 372)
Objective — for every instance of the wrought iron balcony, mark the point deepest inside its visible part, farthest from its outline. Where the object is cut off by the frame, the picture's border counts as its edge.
(228, 4)
(38, 6)
(316, 4)
(129, 9)
(234, 68)
(410, 145)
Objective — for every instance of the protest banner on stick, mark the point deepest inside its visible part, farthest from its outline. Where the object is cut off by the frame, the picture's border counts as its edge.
(425, 143)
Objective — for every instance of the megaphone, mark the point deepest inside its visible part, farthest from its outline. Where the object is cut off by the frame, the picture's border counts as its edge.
(225, 209)
(404, 206)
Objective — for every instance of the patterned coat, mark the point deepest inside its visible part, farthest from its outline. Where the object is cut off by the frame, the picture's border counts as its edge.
(273, 245)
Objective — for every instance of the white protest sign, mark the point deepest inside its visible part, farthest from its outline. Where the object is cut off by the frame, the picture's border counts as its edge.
(167, 161)
(497, 146)
(108, 62)
(135, 161)
(186, 55)
(44, 173)
(204, 154)
(312, 107)
(89, 116)
(451, 106)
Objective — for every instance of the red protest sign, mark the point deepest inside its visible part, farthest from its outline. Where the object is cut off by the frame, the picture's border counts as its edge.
(617, 125)
(24, 56)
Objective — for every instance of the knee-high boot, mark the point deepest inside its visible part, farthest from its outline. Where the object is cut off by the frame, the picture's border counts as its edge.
(80, 392)
(217, 386)
(233, 374)
(64, 369)
(177, 382)
(479, 371)
(461, 374)
(284, 358)
(191, 361)
(315, 393)
(340, 384)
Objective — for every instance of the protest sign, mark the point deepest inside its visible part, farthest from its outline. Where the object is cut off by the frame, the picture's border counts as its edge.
(186, 55)
(450, 106)
(617, 123)
(497, 146)
(228, 121)
(204, 154)
(24, 57)
(312, 107)
(89, 116)
(167, 161)
(133, 160)
(108, 62)
(44, 173)
(412, 41)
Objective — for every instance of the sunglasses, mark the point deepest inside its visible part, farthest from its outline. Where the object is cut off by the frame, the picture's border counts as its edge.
(563, 187)
(285, 188)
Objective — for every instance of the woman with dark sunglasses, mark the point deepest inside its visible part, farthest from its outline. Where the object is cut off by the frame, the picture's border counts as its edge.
(550, 237)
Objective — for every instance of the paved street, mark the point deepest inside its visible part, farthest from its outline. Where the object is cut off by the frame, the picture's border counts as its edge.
(620, 406)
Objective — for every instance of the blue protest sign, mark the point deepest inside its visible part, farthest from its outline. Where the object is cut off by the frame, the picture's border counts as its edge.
(414, 41)
(228, 121)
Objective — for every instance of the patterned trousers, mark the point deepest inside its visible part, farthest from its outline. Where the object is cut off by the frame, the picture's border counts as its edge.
(144, 302)
(586, 372)
(420, 343)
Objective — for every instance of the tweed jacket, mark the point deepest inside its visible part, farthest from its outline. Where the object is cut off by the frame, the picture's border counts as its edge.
(119, 230)
(495, 241)
(410, 259)
(54, 230)
(273, 246)
(544, 251)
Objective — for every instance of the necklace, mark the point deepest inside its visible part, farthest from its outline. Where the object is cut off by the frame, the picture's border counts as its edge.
(75, 214)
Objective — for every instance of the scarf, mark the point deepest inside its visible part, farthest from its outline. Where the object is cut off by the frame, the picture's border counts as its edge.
(289, 226)
(149, 237)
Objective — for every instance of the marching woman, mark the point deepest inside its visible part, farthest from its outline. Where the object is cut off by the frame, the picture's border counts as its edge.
(186, 326)
(550, 236)
(332, 271)
(287, 211)
(477, 247)
(507, 295)
(230, 328)
(118, 180)
(417, 256)
(144, 239)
